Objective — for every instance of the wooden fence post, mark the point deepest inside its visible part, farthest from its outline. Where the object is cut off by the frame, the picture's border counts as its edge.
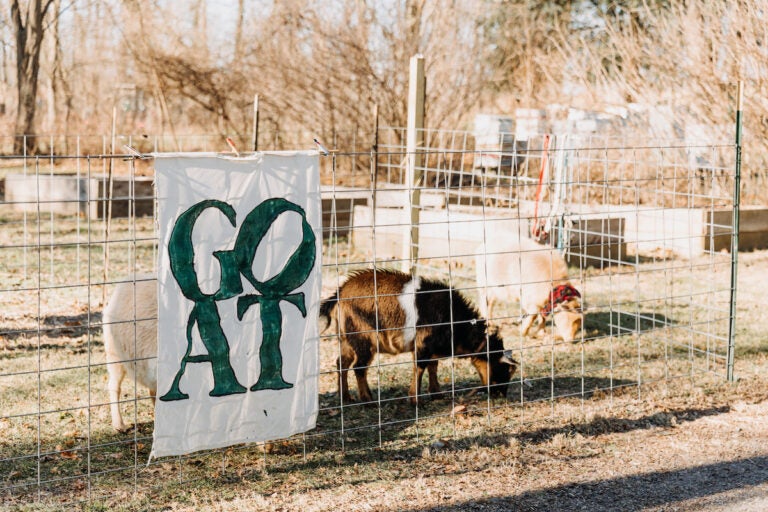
(256, 122)
(414, 170)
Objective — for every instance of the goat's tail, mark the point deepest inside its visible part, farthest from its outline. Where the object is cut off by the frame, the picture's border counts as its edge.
(326, 310)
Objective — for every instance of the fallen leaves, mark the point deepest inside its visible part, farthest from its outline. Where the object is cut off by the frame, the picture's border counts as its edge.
(69, 454)
(65, 450)
(459, 409)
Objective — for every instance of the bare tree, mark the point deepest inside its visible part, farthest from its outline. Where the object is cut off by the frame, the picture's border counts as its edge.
(29, 30)
(5, 73)
(61, 88)
(320, 66)
(238, 51)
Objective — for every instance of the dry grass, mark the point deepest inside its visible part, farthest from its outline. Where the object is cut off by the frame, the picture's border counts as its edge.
(629, 419)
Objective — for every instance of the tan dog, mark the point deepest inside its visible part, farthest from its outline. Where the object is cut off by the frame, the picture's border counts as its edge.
(510, 267)
(130, 340)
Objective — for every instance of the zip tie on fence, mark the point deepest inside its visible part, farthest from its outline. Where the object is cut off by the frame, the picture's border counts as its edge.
(234, 148)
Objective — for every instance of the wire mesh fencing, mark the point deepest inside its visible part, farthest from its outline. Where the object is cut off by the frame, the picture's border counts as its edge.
(269, 138)
(526, 279)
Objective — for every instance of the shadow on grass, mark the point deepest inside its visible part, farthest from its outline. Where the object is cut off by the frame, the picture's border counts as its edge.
(55, 332)
(116, 460)
(546, 388)
(606, 425)
(391, 416)
(641, 492)
(62, 465)
(747, 347)
(414, 451)
(619, 323)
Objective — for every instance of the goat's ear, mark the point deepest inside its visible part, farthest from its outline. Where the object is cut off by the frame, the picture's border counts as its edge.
(572, 305)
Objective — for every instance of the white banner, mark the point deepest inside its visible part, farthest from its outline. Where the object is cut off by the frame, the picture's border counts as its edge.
(238, 294)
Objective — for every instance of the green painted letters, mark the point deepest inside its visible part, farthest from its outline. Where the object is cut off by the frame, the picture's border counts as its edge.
(235, 263)
(204, 313)
(276, 289)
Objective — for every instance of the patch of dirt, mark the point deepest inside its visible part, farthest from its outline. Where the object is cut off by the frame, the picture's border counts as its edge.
(711, 457)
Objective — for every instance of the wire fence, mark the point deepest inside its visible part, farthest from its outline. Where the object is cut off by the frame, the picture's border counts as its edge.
(645, 232)
(273, 139)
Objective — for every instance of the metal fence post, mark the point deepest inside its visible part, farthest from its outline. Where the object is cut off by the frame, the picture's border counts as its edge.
(735, 236)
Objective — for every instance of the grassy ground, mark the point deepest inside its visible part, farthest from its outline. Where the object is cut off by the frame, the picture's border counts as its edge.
(637, 417)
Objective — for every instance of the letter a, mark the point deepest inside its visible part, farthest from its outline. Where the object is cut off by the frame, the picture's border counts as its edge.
(204, 314)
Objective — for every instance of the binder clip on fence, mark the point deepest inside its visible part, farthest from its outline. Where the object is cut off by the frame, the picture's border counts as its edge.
(231, 144)
(133, 153)
(322, 149)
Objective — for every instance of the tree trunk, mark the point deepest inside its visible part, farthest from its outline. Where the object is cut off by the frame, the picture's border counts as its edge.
(238, 52)
(62, 92)
(29, 31)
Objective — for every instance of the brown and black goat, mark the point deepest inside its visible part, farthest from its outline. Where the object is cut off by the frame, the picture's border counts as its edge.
(386, 311)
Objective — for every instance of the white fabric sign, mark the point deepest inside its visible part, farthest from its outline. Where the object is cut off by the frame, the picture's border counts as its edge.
(238, 295)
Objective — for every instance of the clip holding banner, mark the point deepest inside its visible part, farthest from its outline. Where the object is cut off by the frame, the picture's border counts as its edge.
(231, 144)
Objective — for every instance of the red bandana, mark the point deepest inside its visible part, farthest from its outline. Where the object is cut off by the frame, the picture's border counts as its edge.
(558, 295)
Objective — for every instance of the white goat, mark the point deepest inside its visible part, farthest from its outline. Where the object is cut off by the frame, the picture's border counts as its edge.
(509, 267)
(130, 339)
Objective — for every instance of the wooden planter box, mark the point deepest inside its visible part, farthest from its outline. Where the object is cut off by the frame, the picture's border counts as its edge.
(69, 194)
(596, 240)
(338, 207)
(753, 229)
(691, 232)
